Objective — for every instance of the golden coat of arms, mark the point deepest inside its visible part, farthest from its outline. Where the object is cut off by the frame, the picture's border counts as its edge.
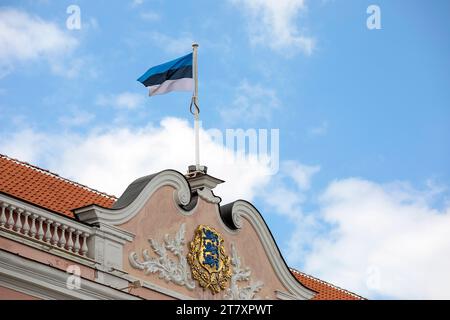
(209, 264)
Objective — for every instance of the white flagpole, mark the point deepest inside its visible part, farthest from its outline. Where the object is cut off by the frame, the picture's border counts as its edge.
(196, 113)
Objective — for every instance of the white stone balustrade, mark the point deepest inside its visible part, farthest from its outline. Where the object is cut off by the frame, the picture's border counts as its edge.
(43, 226)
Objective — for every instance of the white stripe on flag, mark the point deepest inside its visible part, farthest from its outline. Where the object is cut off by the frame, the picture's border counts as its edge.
(183, 84)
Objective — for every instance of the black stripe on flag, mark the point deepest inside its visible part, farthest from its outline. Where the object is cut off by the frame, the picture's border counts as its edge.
(171, 74)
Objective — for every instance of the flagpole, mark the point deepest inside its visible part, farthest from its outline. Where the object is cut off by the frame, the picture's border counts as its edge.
(197, 110)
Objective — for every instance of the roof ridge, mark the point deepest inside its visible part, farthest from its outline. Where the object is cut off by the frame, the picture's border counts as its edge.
(327, 283)
(55, 175)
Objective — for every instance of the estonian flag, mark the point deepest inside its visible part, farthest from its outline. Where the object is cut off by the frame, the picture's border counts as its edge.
(175, 75)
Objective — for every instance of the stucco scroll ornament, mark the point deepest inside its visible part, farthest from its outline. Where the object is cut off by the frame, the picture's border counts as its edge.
(210, 265)
(176, 271)
(207, 195)
(235, 292)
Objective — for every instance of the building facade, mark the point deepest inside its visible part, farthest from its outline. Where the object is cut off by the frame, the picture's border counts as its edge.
(167, 237)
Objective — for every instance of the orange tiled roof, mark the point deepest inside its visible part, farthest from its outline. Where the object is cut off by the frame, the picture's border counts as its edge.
(46, 189)
(325, 290)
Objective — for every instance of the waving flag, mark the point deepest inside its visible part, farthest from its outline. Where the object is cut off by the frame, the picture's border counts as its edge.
(175, 75)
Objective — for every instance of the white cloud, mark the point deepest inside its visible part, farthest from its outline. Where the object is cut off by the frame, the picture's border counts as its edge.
(173, 45)
(378, 240)
(251, 102)
(124, 100)
(90, 23)
(273, 23)
(72, 69)
(24, 37)
(301, 174)
(110, 160)
(387, 240)
(137, 3)
(25, 145)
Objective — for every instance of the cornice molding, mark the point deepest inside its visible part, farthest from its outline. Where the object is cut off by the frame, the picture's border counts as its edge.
(45, 282)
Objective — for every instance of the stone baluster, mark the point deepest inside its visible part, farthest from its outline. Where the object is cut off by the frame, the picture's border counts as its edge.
(33, 229)
(70, 240)
(41, 228)
(26, 225)
(62, 239)
(35, 226)
(48, 233)
(3, 215)
(10, 222)
(77, 246)
(84, 247)
(18, 225)
(55, 238)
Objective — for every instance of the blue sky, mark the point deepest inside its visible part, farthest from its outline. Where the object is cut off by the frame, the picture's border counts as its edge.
(363, 114)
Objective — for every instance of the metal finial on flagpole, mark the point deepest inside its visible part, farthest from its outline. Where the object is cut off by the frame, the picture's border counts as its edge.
(197, 110)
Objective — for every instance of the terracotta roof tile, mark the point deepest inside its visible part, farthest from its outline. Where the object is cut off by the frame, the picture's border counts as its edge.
(325, 290)
(46, 189)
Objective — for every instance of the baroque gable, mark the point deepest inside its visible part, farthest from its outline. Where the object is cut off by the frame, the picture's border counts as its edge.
(177, 239)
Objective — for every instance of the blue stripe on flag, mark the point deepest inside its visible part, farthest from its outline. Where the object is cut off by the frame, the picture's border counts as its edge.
(174, 64)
